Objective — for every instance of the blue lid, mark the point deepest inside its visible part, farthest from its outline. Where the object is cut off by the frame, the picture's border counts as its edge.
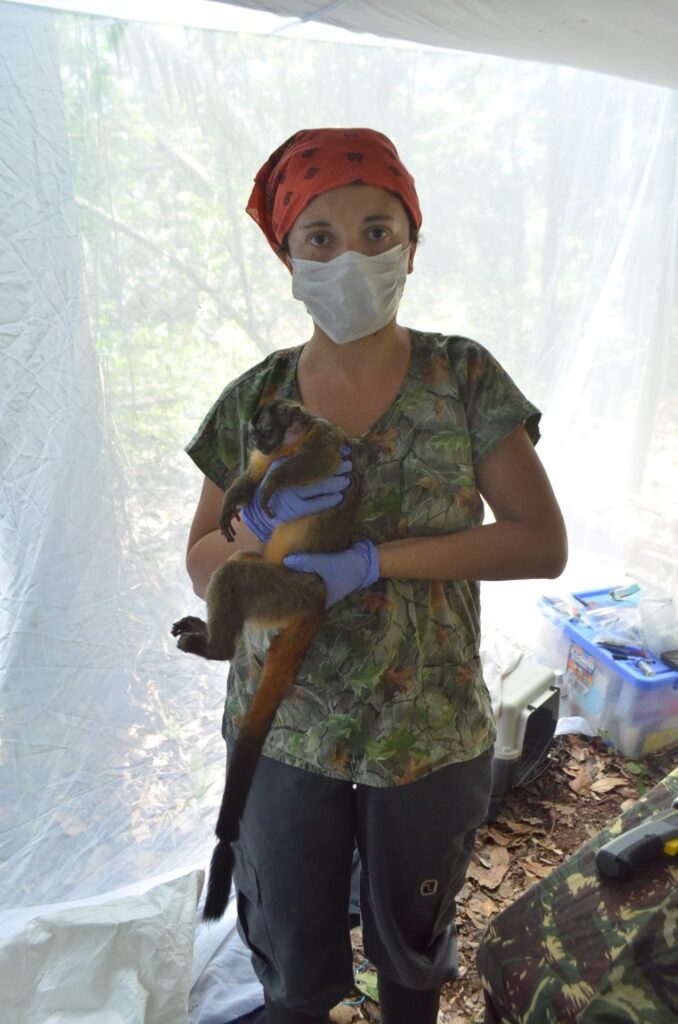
(627, 668)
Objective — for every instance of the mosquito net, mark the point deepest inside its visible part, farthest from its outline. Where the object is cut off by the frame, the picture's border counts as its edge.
(134, 287)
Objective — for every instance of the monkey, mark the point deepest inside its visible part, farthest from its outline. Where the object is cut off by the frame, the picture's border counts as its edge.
(259, 590)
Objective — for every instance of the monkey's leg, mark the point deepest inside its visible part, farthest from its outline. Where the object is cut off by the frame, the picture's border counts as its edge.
(283, 660)
(215, 639)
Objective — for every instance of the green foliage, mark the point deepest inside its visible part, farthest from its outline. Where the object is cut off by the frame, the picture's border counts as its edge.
(639, 769)
(167, 127)
(366, 982)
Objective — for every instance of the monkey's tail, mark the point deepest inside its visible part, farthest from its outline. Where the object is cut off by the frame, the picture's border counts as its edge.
(283, 660)
(218, 892)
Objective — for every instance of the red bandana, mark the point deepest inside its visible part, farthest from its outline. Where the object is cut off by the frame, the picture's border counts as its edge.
(314, 161)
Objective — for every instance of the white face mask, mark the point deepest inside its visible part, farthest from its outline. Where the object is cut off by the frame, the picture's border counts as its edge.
(352, 295)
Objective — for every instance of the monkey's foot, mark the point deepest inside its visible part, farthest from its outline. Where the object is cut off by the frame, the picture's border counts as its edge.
(189, 624)
(193, 643)
(199, 643)
(193, 638)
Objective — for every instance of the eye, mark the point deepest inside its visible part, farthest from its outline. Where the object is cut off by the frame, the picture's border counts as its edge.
(377, 234)
(319, 239)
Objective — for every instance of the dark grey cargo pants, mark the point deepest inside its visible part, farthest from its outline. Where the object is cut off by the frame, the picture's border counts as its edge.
(293, 877)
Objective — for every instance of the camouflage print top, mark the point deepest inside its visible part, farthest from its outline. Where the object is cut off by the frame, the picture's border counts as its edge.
(392, 687)
(581, 949)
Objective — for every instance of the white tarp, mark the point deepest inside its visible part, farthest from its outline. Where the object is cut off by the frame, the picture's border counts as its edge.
(125, 958)
(634, 38)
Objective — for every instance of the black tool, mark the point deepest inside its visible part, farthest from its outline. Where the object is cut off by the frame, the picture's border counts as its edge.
(647, 842)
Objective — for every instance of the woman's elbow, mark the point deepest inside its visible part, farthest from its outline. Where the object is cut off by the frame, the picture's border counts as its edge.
(554, 554)
(197, 572)
(555, 567)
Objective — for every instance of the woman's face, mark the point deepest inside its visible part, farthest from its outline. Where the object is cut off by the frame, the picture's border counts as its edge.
(356, 218)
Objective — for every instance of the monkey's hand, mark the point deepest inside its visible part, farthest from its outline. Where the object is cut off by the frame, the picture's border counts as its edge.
(240, 492)
(270, 507)
(342, 572)
(229, 512)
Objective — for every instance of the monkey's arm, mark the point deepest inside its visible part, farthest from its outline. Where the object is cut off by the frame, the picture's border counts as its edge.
(318, 456)
(238, 494)
(207, 548)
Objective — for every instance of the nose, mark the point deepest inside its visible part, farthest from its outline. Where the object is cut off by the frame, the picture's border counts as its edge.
(353, 241)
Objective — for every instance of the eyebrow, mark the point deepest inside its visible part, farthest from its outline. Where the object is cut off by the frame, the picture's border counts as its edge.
(366, 220)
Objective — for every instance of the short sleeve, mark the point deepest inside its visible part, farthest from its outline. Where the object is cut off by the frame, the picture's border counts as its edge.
(495, 405)
(219, 447)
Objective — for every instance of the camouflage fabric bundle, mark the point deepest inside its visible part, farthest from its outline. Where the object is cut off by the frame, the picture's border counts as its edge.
(581, 948)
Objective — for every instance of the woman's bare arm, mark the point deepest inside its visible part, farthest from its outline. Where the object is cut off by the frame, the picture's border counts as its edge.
(528, 539)
(207, 547)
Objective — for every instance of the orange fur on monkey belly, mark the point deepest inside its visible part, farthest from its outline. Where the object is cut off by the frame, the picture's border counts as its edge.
(287, 539)
(259, 463)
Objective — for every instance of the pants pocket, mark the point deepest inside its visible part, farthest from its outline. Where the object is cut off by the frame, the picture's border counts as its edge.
(251, 921)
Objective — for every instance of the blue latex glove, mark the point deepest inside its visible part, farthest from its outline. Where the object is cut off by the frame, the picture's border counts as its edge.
(341, 571)
(294, 502)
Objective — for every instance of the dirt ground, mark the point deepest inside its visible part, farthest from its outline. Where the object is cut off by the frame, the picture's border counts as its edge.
(583, 787)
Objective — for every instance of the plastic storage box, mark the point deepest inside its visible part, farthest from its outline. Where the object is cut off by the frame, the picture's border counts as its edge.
(632, 702)
(525, 724)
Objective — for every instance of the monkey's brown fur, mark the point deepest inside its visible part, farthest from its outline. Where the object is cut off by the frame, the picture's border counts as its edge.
(259, 590)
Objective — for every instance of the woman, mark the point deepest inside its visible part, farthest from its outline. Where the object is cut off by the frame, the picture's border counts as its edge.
(386, 740)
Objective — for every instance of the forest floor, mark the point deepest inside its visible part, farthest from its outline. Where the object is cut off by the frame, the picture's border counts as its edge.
(584, 786)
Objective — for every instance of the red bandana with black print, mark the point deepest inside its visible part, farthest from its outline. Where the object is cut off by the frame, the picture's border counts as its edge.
(317, 160)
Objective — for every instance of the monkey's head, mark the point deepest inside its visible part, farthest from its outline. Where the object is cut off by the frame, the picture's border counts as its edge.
(278, 422)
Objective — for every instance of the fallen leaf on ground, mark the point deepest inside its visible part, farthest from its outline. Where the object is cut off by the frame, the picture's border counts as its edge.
(519, 827)
(607, 783)
(492, 876)
(579, 753)
(536, 868)
(343, 1014)
(480, 909)
(564, 810)
(501, 838)
(581, 783)
(507, 892)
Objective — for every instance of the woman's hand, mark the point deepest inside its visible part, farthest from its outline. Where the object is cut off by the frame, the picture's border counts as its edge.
(342, 572)
(294, 502)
